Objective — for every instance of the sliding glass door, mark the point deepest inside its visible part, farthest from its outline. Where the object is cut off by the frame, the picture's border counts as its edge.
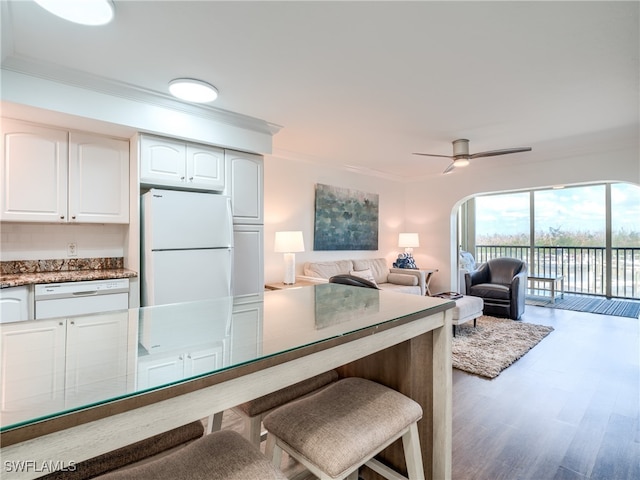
(588, 234)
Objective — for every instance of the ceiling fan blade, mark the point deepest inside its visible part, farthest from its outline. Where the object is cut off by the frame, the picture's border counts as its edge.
(449, 169)
(433, 155)
(506, 151)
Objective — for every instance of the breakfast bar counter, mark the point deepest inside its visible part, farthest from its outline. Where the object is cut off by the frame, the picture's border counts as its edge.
(169, 365)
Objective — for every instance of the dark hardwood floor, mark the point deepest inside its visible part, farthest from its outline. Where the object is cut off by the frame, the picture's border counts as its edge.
(568, 410)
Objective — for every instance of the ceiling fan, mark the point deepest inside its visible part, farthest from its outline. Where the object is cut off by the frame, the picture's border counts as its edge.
(461, 155)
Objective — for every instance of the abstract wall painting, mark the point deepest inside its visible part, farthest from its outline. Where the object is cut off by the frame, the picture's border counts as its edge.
(345, 219)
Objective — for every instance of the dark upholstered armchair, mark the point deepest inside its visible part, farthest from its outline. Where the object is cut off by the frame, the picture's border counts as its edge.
(502, 284)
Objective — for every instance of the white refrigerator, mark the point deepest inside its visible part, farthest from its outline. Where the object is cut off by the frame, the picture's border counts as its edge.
(187, 246)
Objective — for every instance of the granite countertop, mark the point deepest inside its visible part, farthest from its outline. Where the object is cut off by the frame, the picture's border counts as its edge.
(29, 272)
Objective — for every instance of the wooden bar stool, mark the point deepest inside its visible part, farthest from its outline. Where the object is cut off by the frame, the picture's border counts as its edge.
(254, 411)
(223, 455)
(335, 431)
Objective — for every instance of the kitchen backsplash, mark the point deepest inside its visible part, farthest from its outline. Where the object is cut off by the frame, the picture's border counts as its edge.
(31, 241)
(59, 265)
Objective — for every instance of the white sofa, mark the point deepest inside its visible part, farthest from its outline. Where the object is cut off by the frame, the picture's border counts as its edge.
(402, 280)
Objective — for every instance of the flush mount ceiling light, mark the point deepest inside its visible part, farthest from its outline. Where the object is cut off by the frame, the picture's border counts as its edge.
(192, 90)
(84, 12)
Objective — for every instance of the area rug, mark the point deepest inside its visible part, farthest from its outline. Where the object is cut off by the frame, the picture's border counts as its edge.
(603, 306)
(494, 344)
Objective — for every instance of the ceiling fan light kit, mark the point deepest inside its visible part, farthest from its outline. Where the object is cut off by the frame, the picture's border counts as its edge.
(461, 162)
(460, 147)
(461, 156)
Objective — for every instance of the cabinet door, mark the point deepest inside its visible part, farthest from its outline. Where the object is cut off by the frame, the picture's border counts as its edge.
(162, 162)
(98, 179)
(14, 304)
(205, 167)
(246, 332)
(205, 360)
(97, 356)
(246, 180)
(248, 262)
(34, 173)
(33, 366)
(154, 370)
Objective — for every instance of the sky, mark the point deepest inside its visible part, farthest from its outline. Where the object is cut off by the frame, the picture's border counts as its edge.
(575, 209)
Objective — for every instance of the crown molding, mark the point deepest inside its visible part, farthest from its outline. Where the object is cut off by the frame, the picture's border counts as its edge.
(76, 78)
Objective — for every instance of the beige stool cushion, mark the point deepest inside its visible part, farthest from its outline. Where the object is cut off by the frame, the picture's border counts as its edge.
(285, 395)
(341, 425)
(131, 453)
(223, 455)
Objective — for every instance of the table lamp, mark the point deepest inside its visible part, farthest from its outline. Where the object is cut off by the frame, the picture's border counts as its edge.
(408, 241)
(289, 243)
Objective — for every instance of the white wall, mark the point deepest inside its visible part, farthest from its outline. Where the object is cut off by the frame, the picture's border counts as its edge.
(289, 188)
(428, 207)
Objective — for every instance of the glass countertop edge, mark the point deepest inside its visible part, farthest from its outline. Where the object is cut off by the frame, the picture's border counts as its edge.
(60, 415)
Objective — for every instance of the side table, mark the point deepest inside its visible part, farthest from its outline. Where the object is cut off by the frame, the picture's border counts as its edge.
(284, 286)
(428, 274)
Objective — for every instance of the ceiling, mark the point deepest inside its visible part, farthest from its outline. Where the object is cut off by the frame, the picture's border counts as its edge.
(365, 84)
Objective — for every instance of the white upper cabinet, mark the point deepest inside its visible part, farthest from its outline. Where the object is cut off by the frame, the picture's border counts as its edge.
(34, 173)
(51, 175)
(205, 167)
(98, 179)
(165, 162)
(245, 172)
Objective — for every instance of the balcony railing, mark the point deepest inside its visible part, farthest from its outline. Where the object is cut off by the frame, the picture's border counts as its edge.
(584, 268)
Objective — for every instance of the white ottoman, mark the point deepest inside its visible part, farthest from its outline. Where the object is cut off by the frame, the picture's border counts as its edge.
(467, 308)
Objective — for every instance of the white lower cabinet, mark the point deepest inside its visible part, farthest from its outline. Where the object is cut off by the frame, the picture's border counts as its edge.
(248, 263)
(97, 355)
(159, 369)
(246, 331)
(54, 364)
(15, 304)
(33, 368)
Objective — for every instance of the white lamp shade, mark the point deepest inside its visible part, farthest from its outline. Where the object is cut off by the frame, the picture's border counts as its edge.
(408, 240)
(289, 242)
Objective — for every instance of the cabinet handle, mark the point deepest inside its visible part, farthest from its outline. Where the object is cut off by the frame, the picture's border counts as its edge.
(191, 179)
(189, 356)
(72, 322)
(180, 358)
(60, 323)
(61, 217)
(181, 178)
(73, 218)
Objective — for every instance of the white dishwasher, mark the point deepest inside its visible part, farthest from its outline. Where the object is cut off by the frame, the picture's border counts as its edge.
(80, 298)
